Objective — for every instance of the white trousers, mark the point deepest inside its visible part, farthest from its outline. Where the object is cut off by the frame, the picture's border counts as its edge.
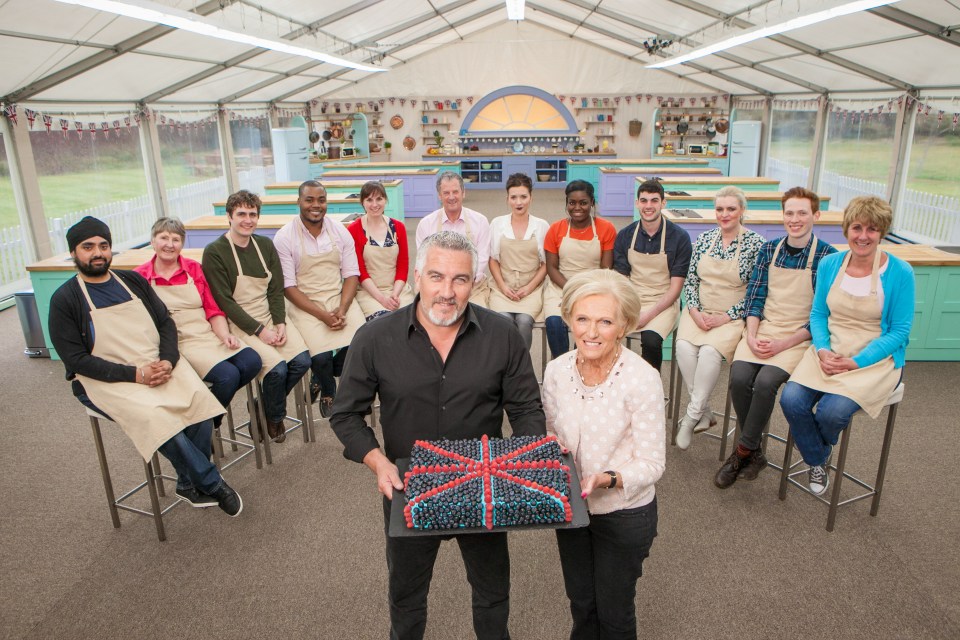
(700, 368)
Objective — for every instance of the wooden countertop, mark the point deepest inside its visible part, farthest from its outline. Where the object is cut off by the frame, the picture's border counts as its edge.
(510, 154)
(331, 183)
(290, 198)
(337, 173)
(663, 161)
(756, 217)
(918, 255)
(665, 170)
(274, 221)
(720, 180)
(121, 260)
(386, 165)
(751, 195)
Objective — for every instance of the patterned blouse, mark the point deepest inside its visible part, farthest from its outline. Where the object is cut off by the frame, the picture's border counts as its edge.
(707, 244)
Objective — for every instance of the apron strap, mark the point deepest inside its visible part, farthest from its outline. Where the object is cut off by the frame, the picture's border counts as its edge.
(813, 252)
(389, 231)
(663, 234)
(466, 222)
(719, 242)
(593, 225)
(236, 258)
(86, 294)
(875, 273)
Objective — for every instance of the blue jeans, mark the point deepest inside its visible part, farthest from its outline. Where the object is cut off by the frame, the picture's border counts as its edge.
(278, 382)
(601, 565)
(232, 374)
(557, 336)
(326, 367)
(188, 452)
(815, 433)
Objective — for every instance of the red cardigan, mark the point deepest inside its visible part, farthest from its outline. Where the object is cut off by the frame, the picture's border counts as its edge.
(400, 238)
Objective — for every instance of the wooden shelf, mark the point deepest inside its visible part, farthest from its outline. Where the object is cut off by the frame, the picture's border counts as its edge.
(595, 108)
(457, 110)
(595, 122)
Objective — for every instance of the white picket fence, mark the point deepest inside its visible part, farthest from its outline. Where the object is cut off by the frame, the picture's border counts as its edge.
(129, 220)
(922, 217)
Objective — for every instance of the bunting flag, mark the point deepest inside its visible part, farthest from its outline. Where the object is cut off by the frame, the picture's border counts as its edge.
(11, 112)
(105, 127)
(79, 127)
(64, 126)
(48, 122)
(31, 116)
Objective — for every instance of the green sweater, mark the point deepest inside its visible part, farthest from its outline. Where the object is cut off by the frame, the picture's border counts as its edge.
(221, 271)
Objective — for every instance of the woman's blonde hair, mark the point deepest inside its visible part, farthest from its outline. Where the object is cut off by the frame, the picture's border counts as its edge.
(602, 282)
(870, 210)
(732, 192)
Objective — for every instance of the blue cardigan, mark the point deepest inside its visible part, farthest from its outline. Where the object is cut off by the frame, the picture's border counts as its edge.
(895, 321)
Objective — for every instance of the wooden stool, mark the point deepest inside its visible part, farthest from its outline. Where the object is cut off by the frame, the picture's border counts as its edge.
(153, 482)
(787, 474)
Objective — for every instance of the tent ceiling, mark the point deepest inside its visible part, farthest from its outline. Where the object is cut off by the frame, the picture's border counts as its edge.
(62, 53)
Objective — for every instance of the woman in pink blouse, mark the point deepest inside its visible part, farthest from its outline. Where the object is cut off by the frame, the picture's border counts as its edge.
(605, 405)
(202, 334)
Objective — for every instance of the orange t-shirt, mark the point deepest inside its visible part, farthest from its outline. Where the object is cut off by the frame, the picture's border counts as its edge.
(558, 231)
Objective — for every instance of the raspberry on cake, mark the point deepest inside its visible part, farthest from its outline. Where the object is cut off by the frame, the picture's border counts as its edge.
(491, 482)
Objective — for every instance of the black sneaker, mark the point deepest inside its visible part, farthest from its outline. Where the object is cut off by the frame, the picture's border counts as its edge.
(314, 389)
(818, 479)
(326, 407)
(228, 500)
(728, 473)
(196, 499)
(753, 465)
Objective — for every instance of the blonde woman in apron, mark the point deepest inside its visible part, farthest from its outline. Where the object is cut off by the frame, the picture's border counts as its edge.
(382, 255)
(860, 322)
(254, 304)
(779, 297)
(320, 273)
(517, 263)
(656, 268)
(119, 346)
(712, 322)
(575, 244)
(203, 336)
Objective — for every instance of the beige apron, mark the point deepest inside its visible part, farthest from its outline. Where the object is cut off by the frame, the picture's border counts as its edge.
(519, 263)
(381, 264)
(251, 294)
(199, 345)
(853, 323)
(318, 278)
(720, 289)
(786, 311)
(126, 334)
(481, 290)
(650, 276)
(576, 256)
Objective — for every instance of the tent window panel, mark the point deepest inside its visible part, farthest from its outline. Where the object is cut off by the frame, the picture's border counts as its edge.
(253, 151)
(191, 157)
(15, 251)
(857, 156)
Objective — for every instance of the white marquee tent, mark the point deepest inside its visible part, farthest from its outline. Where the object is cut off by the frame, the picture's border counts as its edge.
(71, 64)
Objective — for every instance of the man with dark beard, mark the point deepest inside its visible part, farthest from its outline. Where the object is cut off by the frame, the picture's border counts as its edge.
(443, 368)
(119, 347)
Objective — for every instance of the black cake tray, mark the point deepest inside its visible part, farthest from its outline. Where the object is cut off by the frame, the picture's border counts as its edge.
(398, 524)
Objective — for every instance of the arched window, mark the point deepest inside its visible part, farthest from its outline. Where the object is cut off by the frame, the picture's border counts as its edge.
(519, 109)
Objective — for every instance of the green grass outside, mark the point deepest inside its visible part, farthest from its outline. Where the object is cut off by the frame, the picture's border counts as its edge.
(70, 192)
(934, 164)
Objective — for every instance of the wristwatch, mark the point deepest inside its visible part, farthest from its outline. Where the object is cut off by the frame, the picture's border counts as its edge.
(259, 330)
(614, 479)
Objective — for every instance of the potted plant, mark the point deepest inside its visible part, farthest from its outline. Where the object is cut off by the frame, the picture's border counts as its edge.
(387, 146)
(437, 138)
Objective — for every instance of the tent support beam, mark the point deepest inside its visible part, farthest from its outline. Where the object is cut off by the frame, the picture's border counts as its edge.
(227, 157)
(766, 132)
(900, 160)
(819, 143)
(101, 57)
(26, 186)
(152, 163)
(927, 28)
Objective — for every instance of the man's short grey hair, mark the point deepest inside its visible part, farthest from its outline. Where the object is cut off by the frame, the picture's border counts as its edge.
(449, 175)
(451, 241)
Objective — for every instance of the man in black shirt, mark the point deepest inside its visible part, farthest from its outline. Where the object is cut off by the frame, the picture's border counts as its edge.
(655, 254)
(443, 368)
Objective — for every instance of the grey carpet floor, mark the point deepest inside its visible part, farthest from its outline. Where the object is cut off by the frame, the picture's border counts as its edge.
(305, 558)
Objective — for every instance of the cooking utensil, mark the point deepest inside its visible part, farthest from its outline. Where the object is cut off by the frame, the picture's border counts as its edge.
(327, 135)
(682, 127)
(409, 143)
(396, 122)
(722, 125)
(314, 137)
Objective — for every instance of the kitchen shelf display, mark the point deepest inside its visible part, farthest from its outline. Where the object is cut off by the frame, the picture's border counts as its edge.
(482, 171)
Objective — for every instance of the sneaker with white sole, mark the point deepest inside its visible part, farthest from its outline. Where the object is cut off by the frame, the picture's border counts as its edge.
(196, 499)
(818, 478)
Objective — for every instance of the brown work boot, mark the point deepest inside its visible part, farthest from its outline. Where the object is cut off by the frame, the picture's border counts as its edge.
(752, 466)
(276, 431)
(728, 473)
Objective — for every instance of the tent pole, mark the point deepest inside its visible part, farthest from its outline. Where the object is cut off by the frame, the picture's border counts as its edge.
(152, 162)
(227, 157)
(26, 186)
(819, 142)
(900, 161)
(766, 119)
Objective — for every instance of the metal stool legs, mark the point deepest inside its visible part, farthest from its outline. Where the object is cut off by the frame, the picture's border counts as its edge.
(727, 429)
(834, 503)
